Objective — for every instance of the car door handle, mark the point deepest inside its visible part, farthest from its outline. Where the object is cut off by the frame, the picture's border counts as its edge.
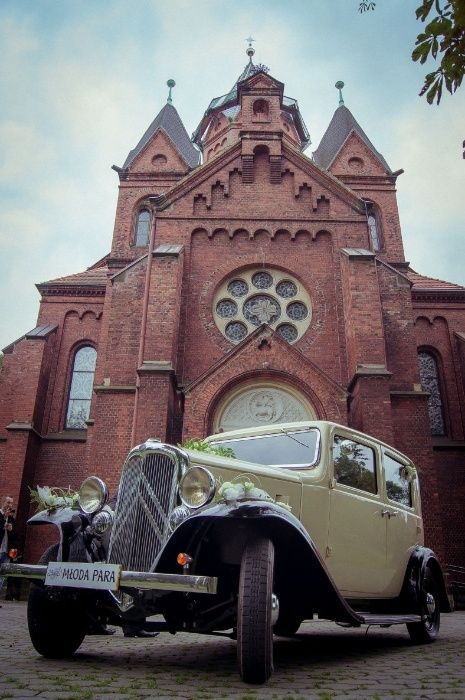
(389, 514)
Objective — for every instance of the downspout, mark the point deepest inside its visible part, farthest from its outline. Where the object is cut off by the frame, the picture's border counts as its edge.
(143, 327)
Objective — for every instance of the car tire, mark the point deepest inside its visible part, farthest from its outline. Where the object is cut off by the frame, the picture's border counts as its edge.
(56, 624)
(427, 630)
(254, 612)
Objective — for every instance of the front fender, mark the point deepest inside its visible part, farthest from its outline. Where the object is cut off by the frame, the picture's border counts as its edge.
(216, 536)
(71, 524)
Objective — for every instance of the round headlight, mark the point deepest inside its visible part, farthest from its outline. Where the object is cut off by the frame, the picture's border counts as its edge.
(93, 494)
(101, 522)
(197, 487)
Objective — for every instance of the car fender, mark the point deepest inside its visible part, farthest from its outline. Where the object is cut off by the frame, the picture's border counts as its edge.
(221, 532)
(71, 524)
(420, 559)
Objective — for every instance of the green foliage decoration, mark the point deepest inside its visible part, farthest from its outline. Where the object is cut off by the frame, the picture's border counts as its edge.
(199, 445)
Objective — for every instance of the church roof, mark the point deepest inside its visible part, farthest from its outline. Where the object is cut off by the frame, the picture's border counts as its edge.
(93, 277)
(423, 283)
(169, 121)
(340, 127)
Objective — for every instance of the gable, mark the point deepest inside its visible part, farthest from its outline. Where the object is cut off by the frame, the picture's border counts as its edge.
(260, 185)
(355, 158)
(159, 155)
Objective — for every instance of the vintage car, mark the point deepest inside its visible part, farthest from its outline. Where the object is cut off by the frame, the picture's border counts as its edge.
(248, 534)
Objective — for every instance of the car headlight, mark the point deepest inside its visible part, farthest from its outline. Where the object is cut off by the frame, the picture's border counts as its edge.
(93, 495)
(197, 487)
(101, 522)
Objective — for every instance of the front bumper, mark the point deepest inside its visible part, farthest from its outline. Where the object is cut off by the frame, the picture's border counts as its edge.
(182, 583)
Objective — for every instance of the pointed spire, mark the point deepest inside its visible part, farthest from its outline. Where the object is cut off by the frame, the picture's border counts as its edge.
(171, 85)
(339, 85)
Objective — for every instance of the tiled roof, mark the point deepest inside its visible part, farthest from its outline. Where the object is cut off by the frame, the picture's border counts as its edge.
(170, 122)
(423, 283)
(340, 126)
(96, 277)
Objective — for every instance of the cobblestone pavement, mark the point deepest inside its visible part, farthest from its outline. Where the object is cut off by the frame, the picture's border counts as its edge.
(323, 661)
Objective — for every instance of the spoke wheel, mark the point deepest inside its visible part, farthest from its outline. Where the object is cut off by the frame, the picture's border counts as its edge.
(254, 612)
(427, 630)
(56, 624)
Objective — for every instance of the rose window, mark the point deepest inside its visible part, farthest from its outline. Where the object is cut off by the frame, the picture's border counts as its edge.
(254, 297)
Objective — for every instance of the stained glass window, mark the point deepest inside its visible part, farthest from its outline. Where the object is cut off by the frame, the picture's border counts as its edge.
(236, 331)
(262, 280)
(237, 288)
(430, 382)
(80, 394)
(142, 228)
(226, 308)
(286, 289)
(297, 311)
(287, 332)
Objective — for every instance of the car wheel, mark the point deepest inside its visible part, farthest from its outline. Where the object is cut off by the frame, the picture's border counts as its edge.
(56, 624)
(254, 612)
(427, 630)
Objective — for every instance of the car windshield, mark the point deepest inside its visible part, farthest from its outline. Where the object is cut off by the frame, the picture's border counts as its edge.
(294, 449)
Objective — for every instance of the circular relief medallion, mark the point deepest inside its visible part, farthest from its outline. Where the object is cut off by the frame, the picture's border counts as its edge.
(261, 308)
(237, 288)
(288, 332)
(286, 289)
(236, 331)
(226, 308)
(265, 407)
(262, 280)
(297, 311)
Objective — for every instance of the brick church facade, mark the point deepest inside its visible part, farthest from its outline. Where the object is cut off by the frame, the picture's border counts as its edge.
(246, 283)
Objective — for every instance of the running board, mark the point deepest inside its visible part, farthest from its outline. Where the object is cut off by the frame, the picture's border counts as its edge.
(386, 620)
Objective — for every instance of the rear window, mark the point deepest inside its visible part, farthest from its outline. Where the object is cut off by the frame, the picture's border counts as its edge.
(293, 449)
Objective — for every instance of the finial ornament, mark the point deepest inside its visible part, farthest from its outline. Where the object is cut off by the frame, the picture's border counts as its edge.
(339, 85)
(171, 85)
(250, 49)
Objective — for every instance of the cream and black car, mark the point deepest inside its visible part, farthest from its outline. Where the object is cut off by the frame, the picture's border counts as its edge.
(248, 534)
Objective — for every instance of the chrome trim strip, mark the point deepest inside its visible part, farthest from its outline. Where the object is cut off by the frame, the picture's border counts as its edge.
(186, 583)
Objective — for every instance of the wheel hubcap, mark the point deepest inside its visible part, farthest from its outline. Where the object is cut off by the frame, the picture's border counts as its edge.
(430, 604)
(274, 609)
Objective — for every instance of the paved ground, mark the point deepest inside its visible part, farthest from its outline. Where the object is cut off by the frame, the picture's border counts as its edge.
(323, 662)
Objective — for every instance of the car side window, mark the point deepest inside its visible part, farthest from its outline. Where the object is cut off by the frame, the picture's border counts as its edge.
(397, 485)
(354, 464)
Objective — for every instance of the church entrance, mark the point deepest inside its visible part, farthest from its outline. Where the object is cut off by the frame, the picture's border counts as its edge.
(262, 403)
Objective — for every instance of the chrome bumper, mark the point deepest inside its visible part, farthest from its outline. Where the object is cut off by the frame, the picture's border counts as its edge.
(184, 583)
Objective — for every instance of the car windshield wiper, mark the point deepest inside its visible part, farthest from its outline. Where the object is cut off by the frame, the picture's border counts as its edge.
(294, 438)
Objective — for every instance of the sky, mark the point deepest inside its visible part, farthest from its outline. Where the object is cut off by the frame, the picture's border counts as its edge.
(81, 80)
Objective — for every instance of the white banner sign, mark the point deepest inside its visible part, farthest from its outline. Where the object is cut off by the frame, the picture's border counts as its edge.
(80, 575)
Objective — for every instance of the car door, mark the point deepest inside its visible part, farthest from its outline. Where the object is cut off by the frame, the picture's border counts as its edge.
(403, 517)
(356, 552)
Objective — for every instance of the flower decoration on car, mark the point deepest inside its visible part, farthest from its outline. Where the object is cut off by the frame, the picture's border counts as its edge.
(242, 488)
(47, 498)
(408, 472)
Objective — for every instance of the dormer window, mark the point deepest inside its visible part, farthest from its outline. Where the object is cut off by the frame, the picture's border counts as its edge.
(142, 232)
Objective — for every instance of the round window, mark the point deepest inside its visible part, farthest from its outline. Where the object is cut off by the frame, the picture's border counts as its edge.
(258, 296)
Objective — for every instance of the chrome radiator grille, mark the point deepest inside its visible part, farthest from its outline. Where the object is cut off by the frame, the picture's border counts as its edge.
(147, 494)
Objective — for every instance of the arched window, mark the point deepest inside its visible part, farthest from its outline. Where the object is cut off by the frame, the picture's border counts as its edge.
(80, 393)
(374, 228)
(141, 237)
(260, 110)
(429, 376)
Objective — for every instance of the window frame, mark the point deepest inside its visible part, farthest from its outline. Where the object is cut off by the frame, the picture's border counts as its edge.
(71, 374)
(376, 465)
(141, 210)
(396, 458)
(435, 355)
(372, 209)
